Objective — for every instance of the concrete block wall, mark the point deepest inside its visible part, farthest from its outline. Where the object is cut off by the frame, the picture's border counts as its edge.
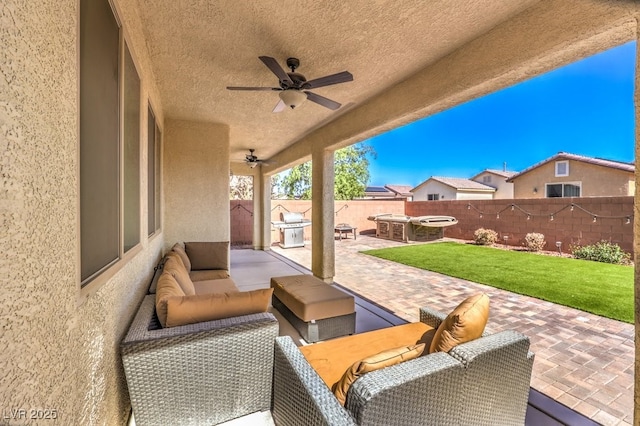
(569, 226)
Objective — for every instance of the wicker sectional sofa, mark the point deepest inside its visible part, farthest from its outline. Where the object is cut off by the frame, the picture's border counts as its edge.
(207, 372)
(481, 382)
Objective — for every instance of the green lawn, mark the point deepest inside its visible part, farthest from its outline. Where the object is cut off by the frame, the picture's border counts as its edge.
(599, 288)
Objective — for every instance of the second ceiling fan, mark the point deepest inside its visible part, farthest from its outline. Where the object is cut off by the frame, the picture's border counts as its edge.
(294, 87)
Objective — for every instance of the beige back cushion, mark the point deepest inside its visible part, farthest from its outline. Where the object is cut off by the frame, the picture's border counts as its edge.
(179, 250)
(207, 307)
(174, 266)
(465, 323)
(167, 288)
(375, 362)
(208, 255)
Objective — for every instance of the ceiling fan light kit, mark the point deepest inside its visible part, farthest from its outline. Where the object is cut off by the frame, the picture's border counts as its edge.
(294, 87)
(293, 98)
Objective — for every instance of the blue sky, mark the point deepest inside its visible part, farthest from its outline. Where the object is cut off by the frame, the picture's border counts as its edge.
(583, 108)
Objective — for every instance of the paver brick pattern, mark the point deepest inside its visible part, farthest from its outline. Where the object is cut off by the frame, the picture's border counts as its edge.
(581, 360)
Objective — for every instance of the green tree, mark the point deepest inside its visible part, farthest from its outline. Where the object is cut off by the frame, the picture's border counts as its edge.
(351, 174)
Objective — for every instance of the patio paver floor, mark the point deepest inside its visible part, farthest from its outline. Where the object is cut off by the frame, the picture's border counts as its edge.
(582, 360)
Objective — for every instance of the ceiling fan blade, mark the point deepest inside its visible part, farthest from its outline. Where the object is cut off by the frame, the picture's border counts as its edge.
(275, 68)
(341, 77)
(280, 106)
(321, 100)
(262, 89)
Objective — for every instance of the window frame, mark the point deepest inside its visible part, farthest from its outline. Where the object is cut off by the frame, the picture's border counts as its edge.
(577, 183)
(433, 197)
(90, 284)
(566, 164)
(157, 169)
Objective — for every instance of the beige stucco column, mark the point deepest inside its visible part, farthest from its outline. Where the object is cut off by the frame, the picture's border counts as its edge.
(322, 236)
(636, 243)
(261, 211)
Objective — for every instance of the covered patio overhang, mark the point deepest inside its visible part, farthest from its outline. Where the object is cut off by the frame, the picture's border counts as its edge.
(410, 59)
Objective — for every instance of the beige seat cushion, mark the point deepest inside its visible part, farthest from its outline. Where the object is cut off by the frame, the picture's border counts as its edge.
(167, 288)
(208, 255)
(212, 274)
(465, 323)
(310, 298)
(375, 362)
(225, 285)
(331, 359)
(198, 308)
(174, 266)
(177, 248)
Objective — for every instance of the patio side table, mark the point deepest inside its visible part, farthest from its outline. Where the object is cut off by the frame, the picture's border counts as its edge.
(344, 229)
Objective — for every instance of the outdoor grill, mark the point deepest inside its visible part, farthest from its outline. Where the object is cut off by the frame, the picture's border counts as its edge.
(291, 226)
(408, 229)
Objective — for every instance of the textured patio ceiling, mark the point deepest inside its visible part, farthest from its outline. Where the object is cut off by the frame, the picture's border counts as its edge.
(198, 47)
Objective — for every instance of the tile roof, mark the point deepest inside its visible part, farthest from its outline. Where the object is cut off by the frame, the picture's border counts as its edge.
(504, 173)
(619, 165)
(399, 189)
(461, 183)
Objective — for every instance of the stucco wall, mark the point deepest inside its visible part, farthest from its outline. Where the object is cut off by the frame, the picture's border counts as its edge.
(504, 189)
(433, 187)
(55, 355)
(196, 170)
(596, 181)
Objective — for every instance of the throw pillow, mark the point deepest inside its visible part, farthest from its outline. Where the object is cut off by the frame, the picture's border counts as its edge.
(375, 362)
(465, 323)
(208, 255)
(167, 288)
(177, 248)
(207, 307)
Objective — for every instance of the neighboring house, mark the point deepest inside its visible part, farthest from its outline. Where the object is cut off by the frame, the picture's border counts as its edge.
(401, 191)
(571, 175)
(388, 191)
(447, 188)
(497, 179)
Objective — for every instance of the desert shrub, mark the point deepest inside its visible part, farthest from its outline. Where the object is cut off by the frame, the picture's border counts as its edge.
(485, 237)
(603, 251)
(534, 241)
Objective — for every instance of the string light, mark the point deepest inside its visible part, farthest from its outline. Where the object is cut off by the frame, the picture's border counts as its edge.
(594, 219)
(498, 216)
(528, 216)
(512, 207)
(628, 220)
(571, 207)
(480, 215)
(551, 218)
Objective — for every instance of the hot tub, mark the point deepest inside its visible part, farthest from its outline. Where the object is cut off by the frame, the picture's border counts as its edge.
(410, 229)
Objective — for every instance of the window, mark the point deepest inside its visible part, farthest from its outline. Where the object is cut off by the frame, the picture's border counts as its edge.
(131, 153)
(563, 190)
(486, 179)
(433, 197)
(562, 168)
(153, 171)
(109, 142)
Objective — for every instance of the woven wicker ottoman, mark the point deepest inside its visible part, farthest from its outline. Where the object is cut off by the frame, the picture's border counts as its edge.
(317, 310)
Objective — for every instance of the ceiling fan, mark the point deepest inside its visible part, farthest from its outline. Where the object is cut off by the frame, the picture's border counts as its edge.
(294, 87)
(251, 160)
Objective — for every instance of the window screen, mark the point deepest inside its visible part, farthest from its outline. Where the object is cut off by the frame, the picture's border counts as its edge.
(99, 138)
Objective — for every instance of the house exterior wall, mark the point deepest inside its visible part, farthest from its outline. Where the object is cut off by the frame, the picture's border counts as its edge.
(596, 181)
(196, 167)
(433, 187)
(57, 353)
(504, 189)
(472, 195)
